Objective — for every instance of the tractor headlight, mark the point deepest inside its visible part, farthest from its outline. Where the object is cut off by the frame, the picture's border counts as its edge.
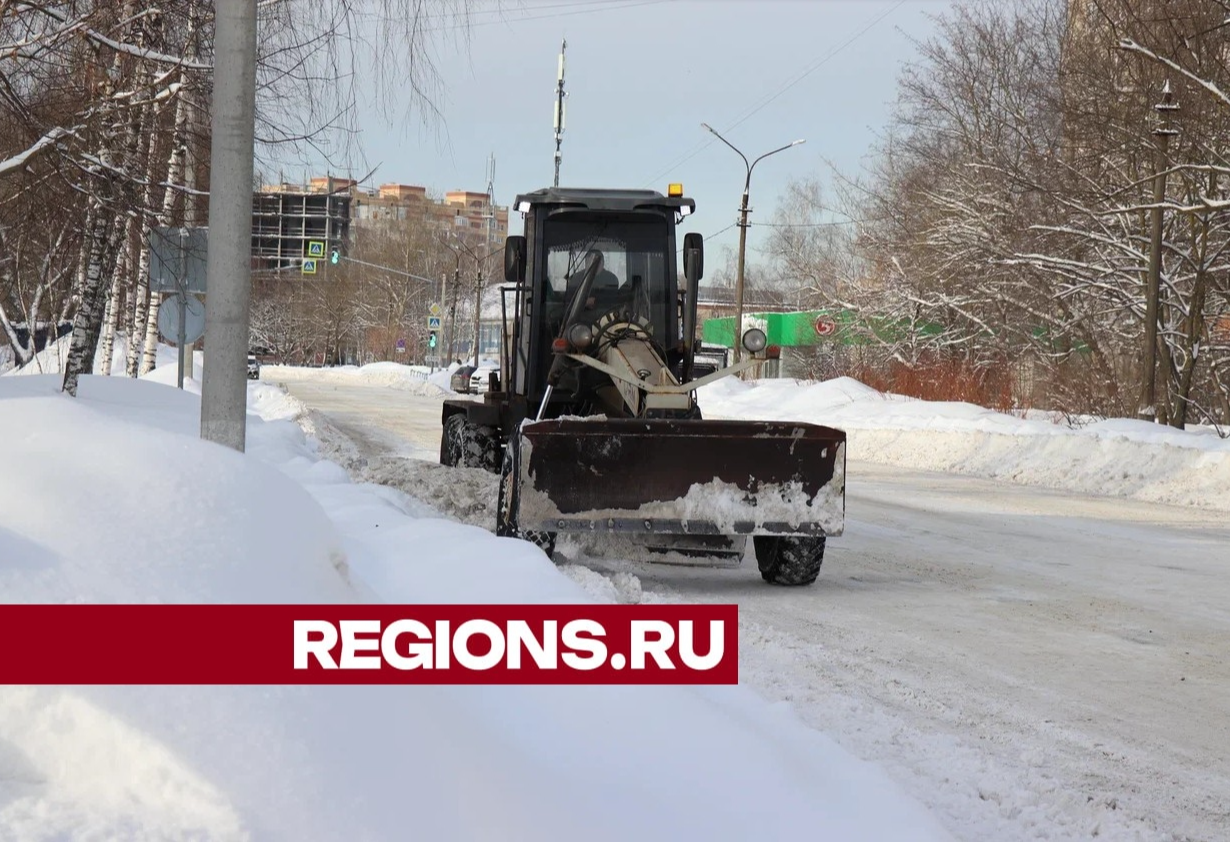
(754, 340)
(580, 336)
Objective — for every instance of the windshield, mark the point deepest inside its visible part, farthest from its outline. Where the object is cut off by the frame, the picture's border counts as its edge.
(634, 267)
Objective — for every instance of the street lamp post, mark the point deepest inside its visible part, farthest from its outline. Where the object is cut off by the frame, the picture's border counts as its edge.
(743, 210)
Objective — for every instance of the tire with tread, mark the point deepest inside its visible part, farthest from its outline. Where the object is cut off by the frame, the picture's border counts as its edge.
(789, 560)
(467, 445)
(508, 527)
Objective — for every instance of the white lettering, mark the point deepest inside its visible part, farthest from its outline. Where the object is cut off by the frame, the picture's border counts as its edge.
(409, 644)
(544, 653)
(461, 644)
(641, 646)
(306, 646)
(418, 653)
(442, 645)
(352, 645)
(687, 646)
(573, 640)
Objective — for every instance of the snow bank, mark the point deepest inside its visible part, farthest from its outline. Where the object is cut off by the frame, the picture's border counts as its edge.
(113, 497)
(1122, 457)
(414, 379)
(51, 360)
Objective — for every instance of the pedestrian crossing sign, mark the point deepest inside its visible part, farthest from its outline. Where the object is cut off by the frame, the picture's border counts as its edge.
(309, 267)
(316, 248)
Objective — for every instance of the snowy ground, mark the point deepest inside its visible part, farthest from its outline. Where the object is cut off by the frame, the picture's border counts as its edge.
(1029, 662)
(112, 497)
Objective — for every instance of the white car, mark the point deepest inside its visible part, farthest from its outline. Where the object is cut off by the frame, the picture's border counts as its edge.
(254, 368)
(479, 379)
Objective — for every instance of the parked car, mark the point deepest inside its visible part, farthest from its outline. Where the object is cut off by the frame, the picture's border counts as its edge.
(479, 379)
(254, 368)
(460, 380)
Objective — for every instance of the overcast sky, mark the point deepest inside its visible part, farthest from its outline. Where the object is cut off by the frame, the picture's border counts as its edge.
(641, 77)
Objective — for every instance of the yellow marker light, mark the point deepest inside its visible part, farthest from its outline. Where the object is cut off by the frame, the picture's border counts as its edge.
(675, 190)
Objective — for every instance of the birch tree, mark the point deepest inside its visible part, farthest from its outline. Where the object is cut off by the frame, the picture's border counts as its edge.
(97, 91)
(1009, 201)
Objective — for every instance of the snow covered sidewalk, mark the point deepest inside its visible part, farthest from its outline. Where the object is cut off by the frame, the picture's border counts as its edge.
(112, 497)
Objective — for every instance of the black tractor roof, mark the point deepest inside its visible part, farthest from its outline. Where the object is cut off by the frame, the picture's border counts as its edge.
(603, 199)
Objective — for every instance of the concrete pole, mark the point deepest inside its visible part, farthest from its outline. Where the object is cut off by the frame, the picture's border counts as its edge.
(224, 386)
(739, 278)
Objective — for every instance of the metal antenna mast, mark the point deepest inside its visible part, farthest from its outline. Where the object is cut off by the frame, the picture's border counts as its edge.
(491, 199)
(559, 109)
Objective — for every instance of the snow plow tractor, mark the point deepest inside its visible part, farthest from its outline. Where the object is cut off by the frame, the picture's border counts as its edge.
(591, 421)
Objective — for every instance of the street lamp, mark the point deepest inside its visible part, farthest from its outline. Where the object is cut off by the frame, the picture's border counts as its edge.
(743, 228)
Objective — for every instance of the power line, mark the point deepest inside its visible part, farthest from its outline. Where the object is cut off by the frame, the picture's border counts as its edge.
(807, 72)
(679, 251)
(603, 6)
(807, 224)
(820, 63)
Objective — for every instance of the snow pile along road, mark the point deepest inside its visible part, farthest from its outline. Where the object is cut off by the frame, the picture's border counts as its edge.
(414, 379)
(112, 497)
(1122, 457)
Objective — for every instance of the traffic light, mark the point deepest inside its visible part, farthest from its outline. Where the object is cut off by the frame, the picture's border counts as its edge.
(431, 341)
(335, 255)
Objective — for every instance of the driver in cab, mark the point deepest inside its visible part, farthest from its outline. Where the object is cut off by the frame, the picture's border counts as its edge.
(605, 287)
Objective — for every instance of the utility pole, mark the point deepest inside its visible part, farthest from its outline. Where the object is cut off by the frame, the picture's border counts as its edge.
(743, 209)
(224, 385)
(559, 109)
(324, 278)
(451, 335)
(1163, 133)
(479, 280)
(478, 303)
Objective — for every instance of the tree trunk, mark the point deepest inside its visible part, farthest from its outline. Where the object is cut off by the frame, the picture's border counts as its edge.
(141, 292)
(179, 171)
(88, 320)
(117, 301)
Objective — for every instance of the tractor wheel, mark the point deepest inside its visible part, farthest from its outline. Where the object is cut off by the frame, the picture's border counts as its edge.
(469, 445)
(789, 560)
(505, 519)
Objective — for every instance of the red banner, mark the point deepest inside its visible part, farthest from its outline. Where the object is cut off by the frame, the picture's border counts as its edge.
(277, 644)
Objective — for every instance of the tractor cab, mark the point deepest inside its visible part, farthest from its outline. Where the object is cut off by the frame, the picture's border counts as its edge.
(592, 265)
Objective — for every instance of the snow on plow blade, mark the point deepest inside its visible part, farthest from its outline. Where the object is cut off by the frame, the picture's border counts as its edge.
(686, 476)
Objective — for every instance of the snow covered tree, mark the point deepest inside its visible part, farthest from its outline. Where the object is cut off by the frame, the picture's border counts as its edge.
(106, 106)
(1008, 206)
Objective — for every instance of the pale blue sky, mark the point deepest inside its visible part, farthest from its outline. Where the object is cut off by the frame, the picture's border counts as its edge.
(642, 75)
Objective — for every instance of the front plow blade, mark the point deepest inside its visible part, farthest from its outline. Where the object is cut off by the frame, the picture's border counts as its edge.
(680, 476)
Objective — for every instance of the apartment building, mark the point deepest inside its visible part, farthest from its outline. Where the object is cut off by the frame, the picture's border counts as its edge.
(286, 217)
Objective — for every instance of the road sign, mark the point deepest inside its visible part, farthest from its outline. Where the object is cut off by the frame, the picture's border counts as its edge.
(194, 319)
(181, 319)
(434, 310)
(825, 326)
(316, 249)
(401, 346)
(309, 266)
(177, 258)
(433, 323)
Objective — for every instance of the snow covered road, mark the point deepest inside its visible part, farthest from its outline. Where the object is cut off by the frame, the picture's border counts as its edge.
(381, 421)
(1032, 664)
